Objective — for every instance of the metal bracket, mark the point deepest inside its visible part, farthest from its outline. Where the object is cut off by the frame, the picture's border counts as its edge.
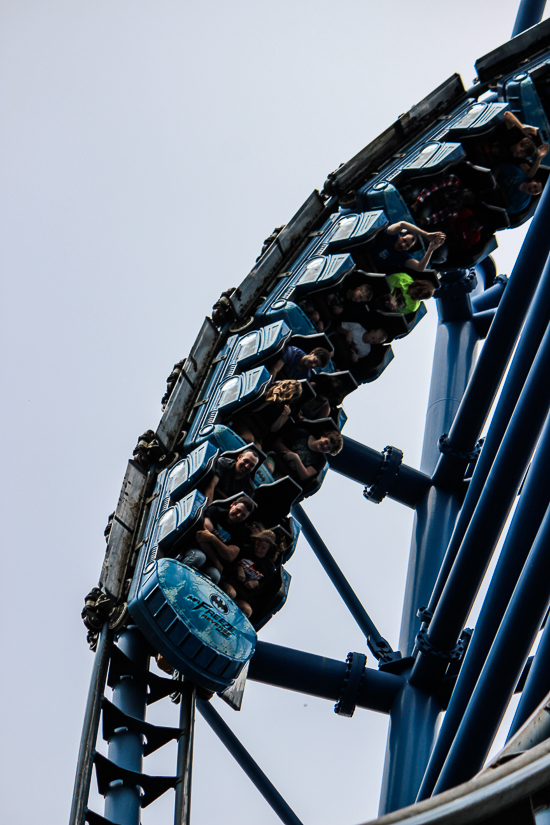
(391, 462)
(424, 615)
(424, 644)
(447, 449)
(347, 702)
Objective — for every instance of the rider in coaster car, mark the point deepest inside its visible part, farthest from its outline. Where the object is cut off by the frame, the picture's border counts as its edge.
(246, 578)
(234, 473)
(304, 453)
(221, 536)
(296, 364)
(392, 248)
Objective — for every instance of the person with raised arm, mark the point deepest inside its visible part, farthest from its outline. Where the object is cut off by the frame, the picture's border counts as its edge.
(392, 247)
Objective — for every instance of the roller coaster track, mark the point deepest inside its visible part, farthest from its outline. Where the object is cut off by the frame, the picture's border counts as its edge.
(462, 496)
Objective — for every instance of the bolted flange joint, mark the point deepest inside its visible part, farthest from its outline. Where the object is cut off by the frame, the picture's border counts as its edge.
(424, 644)
(346, 704)
(447, 449)
(391, 462)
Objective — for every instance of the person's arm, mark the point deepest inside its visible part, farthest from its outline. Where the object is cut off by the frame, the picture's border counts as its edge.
(420, 266)
(228, 552)
(281, 420)
(511, 120)
(276, 367)
(295, 463)
(396, 228)
(209, 491)
(531, 170)
(280, 447)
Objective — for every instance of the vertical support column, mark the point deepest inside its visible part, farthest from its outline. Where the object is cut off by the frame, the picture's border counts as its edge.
(90, 727)
(123, 804)
(182, 809)
(414, 716)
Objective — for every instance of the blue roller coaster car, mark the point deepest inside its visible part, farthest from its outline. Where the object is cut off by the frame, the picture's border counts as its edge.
(192, 623)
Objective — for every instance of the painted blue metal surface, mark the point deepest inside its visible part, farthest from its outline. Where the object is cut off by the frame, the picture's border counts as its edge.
(186, 472)
(504, 665)
(123, 802)
(479, 119)
(356, 229)
(260, 344)
(320, 676)
(232, 393)
(521, 534)
(515, 380)
(434, 158)
(529, 14)
(193, 623)
(524, 102)
(494, 504)
(177, 520)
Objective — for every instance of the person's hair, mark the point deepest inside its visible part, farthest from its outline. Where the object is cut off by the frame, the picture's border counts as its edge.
(322, 354)
(258, 531)
(383, 334)
(366, 291)
(383, 303)
(330, 387)
(248, 503)
(336, 441)
(284, 391)
(421, 289)
(528, 145)
(253, 452)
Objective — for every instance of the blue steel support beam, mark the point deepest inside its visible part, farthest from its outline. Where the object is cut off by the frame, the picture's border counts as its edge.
(529, 14)
(377, 644)
(413, 725)
(123, 804)
(490, 299)
(537, 684)
(489, 518)
(182, 806)
(319, 676)
(535, 327)
(503, 668)
(478, 398)
(90, 728)
(362, 464)
(535, 497)
(415, 713)
(249, 766)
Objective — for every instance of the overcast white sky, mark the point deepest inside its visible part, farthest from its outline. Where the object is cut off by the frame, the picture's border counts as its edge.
(149, 148)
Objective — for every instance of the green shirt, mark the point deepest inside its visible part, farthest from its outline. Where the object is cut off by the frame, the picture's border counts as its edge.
(402, 281)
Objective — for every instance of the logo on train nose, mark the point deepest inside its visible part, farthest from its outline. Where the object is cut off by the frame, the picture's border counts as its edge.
(219, 603)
